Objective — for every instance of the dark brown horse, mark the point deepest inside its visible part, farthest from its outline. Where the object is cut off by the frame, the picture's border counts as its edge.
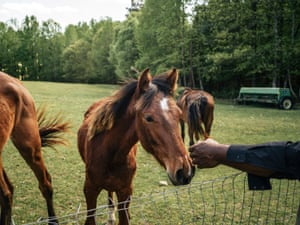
(143, 110)
(197, 110)
(28, 131)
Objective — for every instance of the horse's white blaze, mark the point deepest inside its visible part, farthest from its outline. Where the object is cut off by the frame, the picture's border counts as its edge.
(164, 104)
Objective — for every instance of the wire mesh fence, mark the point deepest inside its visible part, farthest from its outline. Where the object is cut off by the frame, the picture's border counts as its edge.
(225, 200)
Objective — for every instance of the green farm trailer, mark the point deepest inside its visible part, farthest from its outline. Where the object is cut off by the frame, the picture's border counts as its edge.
(279, 96)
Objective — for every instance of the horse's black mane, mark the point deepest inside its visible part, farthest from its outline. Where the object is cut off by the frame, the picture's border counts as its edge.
(123, 97)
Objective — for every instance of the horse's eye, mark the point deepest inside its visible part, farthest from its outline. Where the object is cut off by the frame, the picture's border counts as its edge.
(149, 118)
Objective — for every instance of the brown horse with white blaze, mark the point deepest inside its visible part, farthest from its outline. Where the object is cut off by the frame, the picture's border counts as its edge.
(143, 110)
(29, 131)
(197, 111)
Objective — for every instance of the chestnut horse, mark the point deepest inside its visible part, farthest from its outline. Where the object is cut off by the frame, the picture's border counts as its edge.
(28, 131)
(197, 108)
(143, 110)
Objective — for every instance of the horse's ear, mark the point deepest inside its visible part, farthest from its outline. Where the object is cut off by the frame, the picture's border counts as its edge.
(172, 79)
(144, 80)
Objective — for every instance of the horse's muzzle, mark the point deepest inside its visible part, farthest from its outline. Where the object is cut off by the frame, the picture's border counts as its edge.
(182, 178)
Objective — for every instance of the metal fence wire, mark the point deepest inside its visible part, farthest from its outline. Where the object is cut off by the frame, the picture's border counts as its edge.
(224, 200)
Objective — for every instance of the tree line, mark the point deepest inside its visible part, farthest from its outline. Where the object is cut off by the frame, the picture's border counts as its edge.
(218, 45)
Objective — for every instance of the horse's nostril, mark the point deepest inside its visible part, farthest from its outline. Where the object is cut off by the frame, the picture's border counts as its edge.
(182, 179)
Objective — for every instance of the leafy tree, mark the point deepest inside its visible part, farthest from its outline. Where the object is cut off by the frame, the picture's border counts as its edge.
(102, 69)
(124, 52)
(76, 62)
(242, 42)
(28, 51)
(221, 46)
(157, 34)
(9, 45)
(71, 35)
(292, 43)
(50, 51)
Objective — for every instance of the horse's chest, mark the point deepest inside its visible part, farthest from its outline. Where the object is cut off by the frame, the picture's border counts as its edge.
(119, 175)
(113, 172)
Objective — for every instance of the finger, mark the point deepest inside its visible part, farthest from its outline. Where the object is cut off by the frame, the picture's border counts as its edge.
(200, 165)
(191, 149)
(197, 143)
(194, 154)
(195, 146)
(196, 162)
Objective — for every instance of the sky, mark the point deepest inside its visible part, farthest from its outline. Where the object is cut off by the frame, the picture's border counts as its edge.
(64, 12)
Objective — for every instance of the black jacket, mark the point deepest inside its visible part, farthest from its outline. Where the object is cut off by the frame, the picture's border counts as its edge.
(282, 157)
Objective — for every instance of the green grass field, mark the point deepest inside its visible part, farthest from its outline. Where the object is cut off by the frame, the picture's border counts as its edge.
(232, 124)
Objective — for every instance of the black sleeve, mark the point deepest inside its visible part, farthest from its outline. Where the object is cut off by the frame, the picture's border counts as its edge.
(281, 157)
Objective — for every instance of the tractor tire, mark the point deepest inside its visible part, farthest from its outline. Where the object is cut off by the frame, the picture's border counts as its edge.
(286, 103)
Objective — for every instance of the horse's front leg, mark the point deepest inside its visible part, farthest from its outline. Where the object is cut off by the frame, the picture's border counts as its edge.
(111, 209)
(91, 193)
(124, 198)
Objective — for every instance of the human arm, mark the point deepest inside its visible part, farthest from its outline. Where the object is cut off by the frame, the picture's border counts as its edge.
(209, 153)
(274, 159)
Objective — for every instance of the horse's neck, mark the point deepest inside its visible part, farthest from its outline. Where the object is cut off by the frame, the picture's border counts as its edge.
(123, 135)
(125, 139)
(126, 123)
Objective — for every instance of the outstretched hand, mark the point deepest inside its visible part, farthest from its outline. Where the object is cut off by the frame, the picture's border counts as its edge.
(208, 153)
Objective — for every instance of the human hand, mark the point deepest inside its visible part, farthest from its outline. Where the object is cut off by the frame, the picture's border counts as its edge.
(208, 153)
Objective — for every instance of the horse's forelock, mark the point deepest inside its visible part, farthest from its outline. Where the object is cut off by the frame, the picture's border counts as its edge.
(163, 84)
(159, 83)
(147, 97)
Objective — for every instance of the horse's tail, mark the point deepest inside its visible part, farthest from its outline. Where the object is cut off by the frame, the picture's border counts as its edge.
(196, 115)
(203, 110)
(203, 104)
(51, 129)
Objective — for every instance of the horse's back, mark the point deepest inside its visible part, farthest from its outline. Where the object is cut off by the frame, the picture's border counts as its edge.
(15, 99)
(204, 97)
(10, 86)
(191, 97)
